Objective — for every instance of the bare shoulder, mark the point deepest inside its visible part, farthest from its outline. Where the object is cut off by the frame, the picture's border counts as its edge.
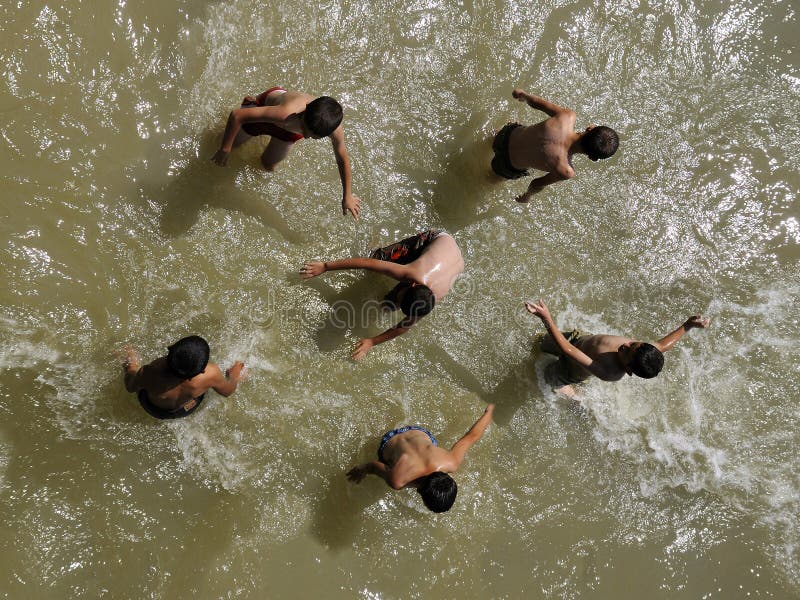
(337, 137)
(295, 101)
(566, 115)
(606, 342)
(445, 461)
(157, 366)
(212, 373)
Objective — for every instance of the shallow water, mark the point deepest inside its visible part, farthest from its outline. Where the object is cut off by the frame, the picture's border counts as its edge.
(118, 229)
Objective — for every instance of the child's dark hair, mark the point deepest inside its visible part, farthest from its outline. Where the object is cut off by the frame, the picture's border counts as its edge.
(418, 301)
(438, 491)
(647, 361)
(188, 356)
(323, 115)
(600, 142)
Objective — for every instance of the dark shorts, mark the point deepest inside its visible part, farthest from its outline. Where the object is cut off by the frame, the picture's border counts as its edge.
(390, 434)
(163, 413)
(501, 163)
(564, 371)
(407, 250)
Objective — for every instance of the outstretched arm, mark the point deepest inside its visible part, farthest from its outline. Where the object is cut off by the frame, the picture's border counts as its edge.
(132, 367)
(226, 384)
(669, 340)
(357, 473)
(459, 449)
(541, 311)
(384, 267)
(365, 345)
(538, 184)
(538, 103)
(349, 202)
(270, 114)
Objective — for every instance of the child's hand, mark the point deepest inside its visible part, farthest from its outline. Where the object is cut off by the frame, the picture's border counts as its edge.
(237, 371)
(312, 269)
(526, 197)
(130, 358)
(361, 349)
(353, 204)
(523, 198)
(696, 321)
(518, 94)
(356, 474)
(540, 310)
(221, 157)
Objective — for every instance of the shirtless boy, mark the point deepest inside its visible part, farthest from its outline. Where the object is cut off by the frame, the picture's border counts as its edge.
(426, 265)
(174, 385)
(287, 117)
(608, 357)
(547, 146)
(410, 457)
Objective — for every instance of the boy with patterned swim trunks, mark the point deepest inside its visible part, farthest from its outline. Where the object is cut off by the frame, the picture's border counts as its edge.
(547, 146)
(410, 457)
(426, 265)
(287, 117)
(608, 357)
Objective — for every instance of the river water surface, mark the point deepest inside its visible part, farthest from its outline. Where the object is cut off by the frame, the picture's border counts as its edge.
(117, 228)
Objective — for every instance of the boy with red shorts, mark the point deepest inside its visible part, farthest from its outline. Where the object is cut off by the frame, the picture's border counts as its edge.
(288, 117)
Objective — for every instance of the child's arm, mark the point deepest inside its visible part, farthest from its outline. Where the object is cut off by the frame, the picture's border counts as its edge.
(384, 267)
(357, 473)
(226, 384)
(459, 449)
(541, 311)
(269, 114)
(365, 345)
(349, 202)
(539, 103)
(669, 340)
(132, 367)
(538, 184)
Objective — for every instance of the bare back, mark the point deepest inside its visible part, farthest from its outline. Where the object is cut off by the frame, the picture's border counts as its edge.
(170, 392)
(603, 349)
(412, 455)
(294, 103)
(545, 145)
(439, 265)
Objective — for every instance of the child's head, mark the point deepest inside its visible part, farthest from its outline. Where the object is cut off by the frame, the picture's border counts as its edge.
(417, 301)
(438, 491)
(645, 360)
(188, 356)
(599, 142)
(322, 116)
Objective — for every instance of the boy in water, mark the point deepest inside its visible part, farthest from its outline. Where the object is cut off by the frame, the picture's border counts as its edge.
(608, 357)
(410, 457)
(426, 265)
(174, 385)
(287, 117)
(547, 146)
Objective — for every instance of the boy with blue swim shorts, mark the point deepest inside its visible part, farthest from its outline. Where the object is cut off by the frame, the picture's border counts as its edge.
(410, 457)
